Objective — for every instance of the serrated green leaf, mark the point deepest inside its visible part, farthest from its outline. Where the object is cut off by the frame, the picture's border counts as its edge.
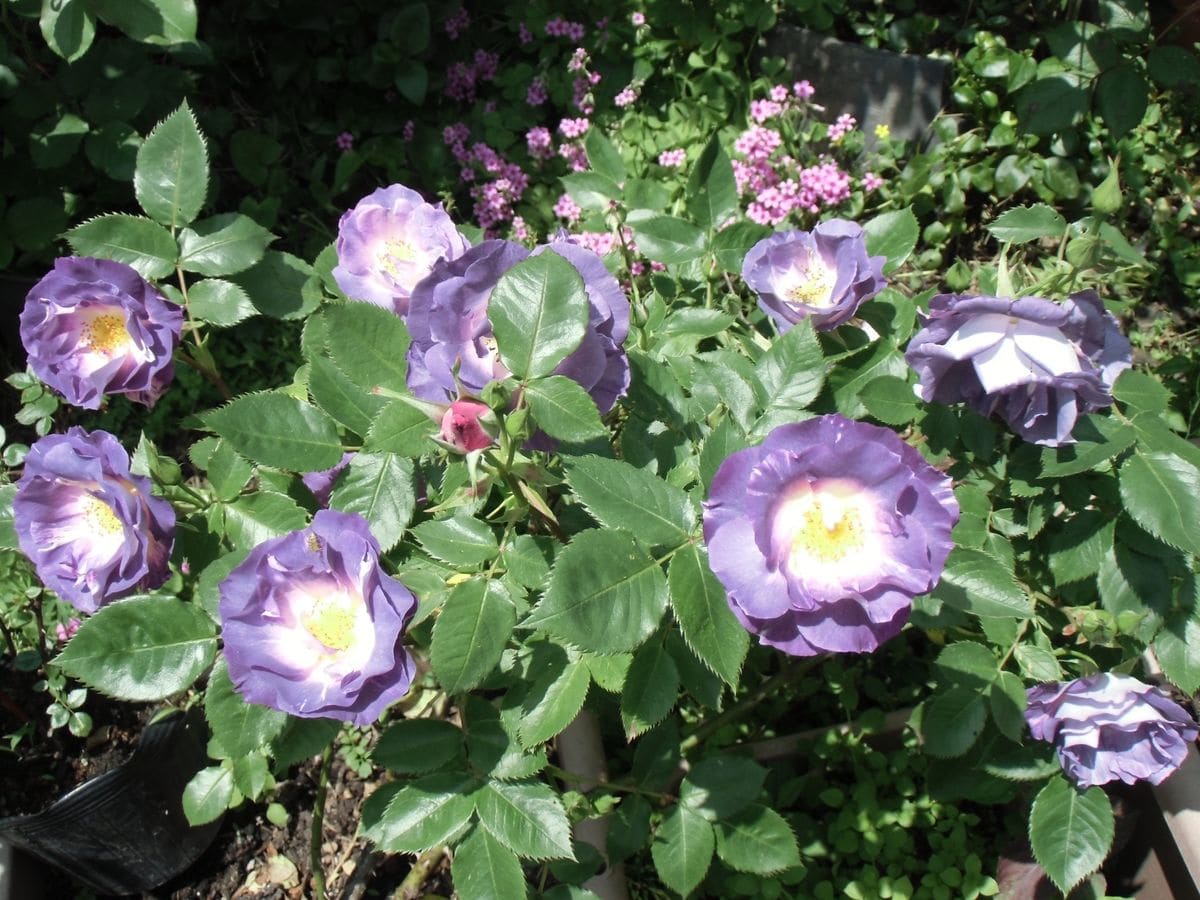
(792, 372)
(1141, 392)
(141, 648)
(1161, 492)
(150, 21)
(849, 377)
(702, 610)
(721, 786)
(171, 176)
(207, 795)
(239, 727)
(219, 302)
(1007, 700)
(492, 744)
(425, 813)
(8, 533)
(967, 664)
(1098, 439)
(250, 774)
(651, 688)
(668, 239)
(890, 400)
(602, 156)
(1037, 663)
(683, 849)
(555, 697)
(892, 235)
(400, 428)
(369, 344)
(1070, 831)
(1078, 550)
(976, 582)
(67, 27)
(281, 285)
(539, 312)
(484, 869)
(338, 395)
(417, 746)
(563, 409)
(303, 739)
(222, 245)
(1177, 647)
(591, 190)
(527, 818)
(757, 840)
(621, 496)
(133, 240)
(260, 516)
(952, 722)
(1028, 223)
(471, 633)
(460, 540)
(606, 593)
(277, 430)
(711, 195)
(1121, 98)
(379, 487)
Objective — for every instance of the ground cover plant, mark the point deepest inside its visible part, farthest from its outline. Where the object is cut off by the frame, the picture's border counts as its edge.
(577, 412)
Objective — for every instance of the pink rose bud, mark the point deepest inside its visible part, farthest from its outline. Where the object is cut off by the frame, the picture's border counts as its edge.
(461, 426)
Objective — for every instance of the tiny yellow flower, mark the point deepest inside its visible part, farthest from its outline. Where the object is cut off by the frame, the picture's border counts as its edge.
(882, 132)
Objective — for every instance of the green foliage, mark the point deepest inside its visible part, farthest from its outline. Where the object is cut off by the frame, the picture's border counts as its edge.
(1070, 831)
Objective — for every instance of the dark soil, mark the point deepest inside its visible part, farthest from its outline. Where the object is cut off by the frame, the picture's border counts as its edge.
(250, 859)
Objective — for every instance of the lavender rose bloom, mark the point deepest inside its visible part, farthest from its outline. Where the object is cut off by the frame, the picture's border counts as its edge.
(93, 327)
(92, 529)
(824, 533)
(450, 328)
(312, 624)
(1038, 364)
(823, 275)
(388, 242)
(1106, 727)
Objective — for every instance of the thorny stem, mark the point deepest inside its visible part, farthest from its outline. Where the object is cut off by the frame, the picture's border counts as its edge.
(8, 639)
(208, 373)
(617, 786)
(318, 825)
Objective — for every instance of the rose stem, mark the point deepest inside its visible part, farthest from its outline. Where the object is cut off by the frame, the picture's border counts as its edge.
(318, 825)
(410, 887)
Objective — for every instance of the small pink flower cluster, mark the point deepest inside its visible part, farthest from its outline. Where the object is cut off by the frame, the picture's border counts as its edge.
(627, 97)
(573, 128)
(524, 35)
(458, 23)
(408, 131)
(638, 18)
(776, 184)
(536, 95)
(871, 182)
(520, 229)
(575, 155)
(539, 143)
(560, 27)
(345, 142)
(844, 125)
(578, 61)
(568, 209)
(505, 182)
(462, 78)
(583, 99)
(672, 159)
(64, 633)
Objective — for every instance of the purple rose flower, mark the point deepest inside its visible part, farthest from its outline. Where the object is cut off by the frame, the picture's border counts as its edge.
(321, 483)
(1106, 727)
(1036, 363)
(388, 242)
(450, 328)
(824, 533)
(92, 529)
(823, 275)
(312, 624)
(93, 327)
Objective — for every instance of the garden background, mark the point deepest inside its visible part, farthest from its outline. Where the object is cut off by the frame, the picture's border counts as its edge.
(583, 698)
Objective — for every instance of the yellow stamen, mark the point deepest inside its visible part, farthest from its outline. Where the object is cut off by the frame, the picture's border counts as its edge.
(101, 517)
(829, 532)
(332, 621)
(105, 333)
(815, 287)
(395, 251)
